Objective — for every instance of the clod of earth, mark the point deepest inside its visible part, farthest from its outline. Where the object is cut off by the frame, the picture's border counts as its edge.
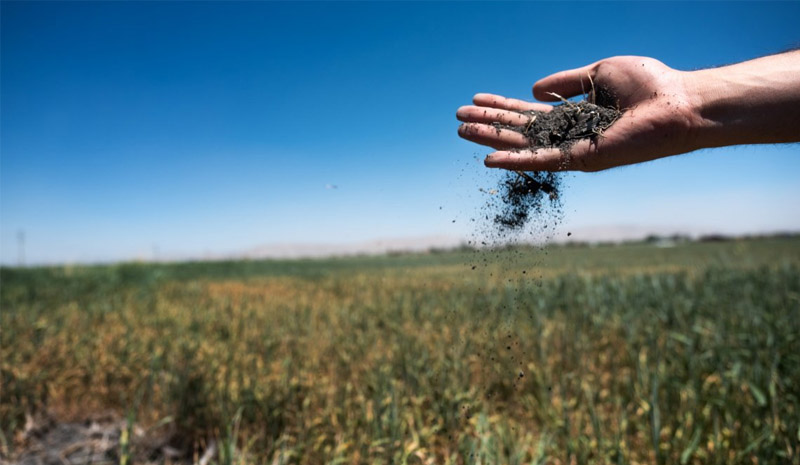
(565, 124)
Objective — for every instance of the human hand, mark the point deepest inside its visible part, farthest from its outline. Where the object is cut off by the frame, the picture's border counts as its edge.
(657, 119)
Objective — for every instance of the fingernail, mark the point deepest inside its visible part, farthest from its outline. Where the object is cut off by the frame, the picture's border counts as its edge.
(466, 128)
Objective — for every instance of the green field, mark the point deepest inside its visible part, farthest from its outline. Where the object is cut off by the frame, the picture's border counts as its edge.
(608, 354)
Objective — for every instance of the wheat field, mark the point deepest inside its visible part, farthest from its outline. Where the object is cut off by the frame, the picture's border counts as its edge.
(636, 353)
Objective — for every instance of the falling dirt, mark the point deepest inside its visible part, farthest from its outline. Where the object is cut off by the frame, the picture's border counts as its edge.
(520, 215)
(525, 194)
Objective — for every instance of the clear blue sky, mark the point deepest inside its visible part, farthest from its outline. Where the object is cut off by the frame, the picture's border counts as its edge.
(215, 127)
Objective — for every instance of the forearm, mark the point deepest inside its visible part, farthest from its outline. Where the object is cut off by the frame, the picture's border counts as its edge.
(753, 102)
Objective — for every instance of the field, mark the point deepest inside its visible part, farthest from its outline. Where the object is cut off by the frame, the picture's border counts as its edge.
(608, 354)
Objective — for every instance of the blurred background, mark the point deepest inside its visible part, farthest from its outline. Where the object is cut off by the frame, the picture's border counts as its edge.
(174, 130)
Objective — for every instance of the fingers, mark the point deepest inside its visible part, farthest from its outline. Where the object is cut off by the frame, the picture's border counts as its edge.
(475, 114)
(582, 156)
(565, 83)
(490, 108)
(500, 139)
(503, 103)
(528, 160)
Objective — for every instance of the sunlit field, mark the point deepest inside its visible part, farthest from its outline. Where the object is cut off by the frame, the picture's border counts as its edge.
(612, 354)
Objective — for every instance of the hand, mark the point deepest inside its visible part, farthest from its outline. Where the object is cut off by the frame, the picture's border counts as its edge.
(657, 119)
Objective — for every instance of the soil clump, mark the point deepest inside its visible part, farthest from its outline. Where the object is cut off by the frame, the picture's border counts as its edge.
(566, 123)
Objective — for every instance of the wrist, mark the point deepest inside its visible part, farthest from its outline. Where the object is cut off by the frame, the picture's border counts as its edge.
(710, 97)
(747, 103)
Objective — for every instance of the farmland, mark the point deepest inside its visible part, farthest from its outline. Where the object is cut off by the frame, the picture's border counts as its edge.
(609, 354)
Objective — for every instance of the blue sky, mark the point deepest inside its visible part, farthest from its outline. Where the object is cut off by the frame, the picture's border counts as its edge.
(215, 127)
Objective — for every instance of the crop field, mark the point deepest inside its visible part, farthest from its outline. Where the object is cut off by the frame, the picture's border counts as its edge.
(611, 354)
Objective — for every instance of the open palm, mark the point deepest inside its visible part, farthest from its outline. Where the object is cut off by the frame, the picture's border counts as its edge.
(655, 122)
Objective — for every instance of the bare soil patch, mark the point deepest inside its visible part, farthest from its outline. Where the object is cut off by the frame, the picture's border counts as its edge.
(98, 439)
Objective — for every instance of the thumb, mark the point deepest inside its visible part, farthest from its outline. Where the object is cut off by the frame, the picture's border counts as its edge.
(584, 155)
(565, 83)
